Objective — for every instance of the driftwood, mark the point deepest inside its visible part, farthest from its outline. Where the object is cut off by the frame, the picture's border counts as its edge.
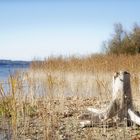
(120, 108)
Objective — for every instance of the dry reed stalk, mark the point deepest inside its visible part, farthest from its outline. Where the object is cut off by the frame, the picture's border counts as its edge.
(67, 86)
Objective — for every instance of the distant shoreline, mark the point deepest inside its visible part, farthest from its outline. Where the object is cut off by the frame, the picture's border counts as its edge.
(11, 62)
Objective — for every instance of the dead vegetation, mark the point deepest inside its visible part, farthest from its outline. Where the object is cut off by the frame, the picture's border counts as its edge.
(45, 102)
(93, 63)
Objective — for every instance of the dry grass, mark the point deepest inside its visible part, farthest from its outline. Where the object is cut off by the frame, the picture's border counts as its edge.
(92, 63)
(45, 102)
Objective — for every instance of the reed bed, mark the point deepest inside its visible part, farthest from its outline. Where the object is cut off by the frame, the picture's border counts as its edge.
(92, 63)
(44, 103)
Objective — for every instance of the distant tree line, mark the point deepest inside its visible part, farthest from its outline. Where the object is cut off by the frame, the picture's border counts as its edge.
(122, 41)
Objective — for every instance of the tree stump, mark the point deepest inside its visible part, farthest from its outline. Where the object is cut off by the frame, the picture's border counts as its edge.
(119, 105)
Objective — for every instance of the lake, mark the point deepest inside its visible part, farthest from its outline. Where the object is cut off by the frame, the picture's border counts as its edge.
(8, 69)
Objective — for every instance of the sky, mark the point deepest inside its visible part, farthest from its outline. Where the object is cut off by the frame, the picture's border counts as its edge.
(37, 29)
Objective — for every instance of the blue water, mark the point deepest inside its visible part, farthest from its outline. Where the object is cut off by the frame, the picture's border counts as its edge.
(7, 70)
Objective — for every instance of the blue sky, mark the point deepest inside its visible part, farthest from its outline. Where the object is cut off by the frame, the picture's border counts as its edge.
(37, 28)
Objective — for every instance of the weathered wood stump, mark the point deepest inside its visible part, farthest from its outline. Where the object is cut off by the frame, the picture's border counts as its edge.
(120, 107)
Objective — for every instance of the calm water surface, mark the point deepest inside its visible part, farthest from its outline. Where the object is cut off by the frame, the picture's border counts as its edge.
(7, 70)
